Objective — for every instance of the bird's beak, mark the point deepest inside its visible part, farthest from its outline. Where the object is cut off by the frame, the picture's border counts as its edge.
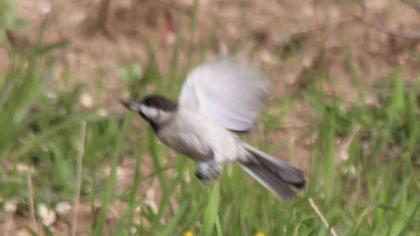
(133, 106)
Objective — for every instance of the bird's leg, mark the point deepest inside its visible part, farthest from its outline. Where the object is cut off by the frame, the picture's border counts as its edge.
(208, 170)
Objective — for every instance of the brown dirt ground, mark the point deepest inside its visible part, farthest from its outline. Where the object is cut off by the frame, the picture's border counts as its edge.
(96, 51)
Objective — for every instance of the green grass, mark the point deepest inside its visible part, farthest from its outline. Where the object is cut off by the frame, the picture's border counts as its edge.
(374, 192)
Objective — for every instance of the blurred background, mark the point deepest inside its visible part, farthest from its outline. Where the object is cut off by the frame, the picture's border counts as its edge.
(345, 109)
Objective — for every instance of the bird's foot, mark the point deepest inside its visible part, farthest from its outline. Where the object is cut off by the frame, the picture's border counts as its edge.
(208, 171)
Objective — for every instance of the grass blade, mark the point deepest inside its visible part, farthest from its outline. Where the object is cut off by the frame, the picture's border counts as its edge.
(109, 188)
(211, 216)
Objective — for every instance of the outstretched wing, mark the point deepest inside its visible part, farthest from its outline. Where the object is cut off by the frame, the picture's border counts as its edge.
(229, 92)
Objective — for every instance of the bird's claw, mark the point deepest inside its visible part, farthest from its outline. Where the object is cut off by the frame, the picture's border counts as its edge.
(208, 171)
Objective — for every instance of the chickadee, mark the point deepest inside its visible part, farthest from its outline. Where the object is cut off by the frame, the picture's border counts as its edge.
(217, 98)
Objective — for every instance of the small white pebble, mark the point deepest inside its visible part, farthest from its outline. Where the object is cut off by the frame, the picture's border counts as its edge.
(47, 216)
(63, 208)
(23, 168)
(267, 57)
(86, 100)
(42, 210)
(10, 206)
(133, 230)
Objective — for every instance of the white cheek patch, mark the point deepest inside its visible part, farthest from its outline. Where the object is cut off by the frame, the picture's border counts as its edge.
(149, 112)
(155, 114)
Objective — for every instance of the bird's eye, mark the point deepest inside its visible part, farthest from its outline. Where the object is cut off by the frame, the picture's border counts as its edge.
(147, 102)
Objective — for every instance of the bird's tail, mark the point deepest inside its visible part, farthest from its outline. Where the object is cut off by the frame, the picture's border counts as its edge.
(277, 176)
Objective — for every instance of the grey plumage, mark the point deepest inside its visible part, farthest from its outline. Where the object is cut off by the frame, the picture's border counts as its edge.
(218, 97)
(229, 92)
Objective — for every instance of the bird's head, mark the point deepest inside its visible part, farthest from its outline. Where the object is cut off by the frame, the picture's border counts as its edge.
(155, 109)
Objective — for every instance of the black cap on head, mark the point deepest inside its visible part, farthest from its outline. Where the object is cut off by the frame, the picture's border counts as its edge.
(159, 102)
(156, 102)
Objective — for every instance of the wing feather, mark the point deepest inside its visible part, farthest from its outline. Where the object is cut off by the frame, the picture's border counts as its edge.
(229, 92)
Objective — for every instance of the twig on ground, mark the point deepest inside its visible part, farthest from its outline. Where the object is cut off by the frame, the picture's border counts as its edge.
(78, 178)
(412, 35)
(32, 205)
(324, 221)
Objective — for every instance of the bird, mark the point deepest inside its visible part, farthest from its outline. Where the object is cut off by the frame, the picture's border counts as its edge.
(218, 100)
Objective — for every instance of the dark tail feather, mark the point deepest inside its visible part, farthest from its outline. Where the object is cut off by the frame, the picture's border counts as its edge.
(277, 176)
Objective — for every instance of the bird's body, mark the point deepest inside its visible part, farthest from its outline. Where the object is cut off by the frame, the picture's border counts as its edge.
(197, 136)
(216, 98)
